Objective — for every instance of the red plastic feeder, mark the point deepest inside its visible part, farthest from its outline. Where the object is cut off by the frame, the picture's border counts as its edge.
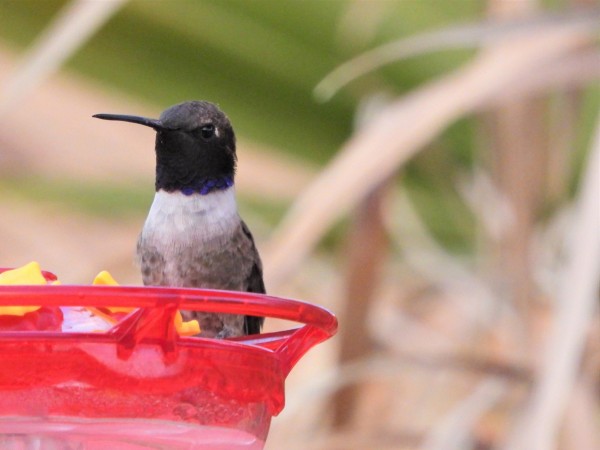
(141, 385)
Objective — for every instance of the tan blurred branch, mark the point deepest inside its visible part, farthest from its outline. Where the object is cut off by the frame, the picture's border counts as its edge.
(357, 440)
(581, 424)
(75, 23)
(381, 367)
(467, 35)
(429, 258)
(577, 298)
(366, 246)
(378, 150)
(454, 430)
(565, 73)
(518, 146)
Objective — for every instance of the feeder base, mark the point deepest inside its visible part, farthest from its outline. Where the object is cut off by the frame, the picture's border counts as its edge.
(24, 433)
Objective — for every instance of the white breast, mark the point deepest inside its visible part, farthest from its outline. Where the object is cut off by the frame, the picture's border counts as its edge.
(179, 219)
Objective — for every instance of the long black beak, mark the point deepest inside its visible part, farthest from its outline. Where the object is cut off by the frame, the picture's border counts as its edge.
(152, 123)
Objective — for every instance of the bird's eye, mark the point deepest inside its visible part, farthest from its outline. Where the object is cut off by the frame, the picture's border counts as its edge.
(207, 131)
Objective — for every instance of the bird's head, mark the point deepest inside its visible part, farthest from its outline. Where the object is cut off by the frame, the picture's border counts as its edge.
(195, 147)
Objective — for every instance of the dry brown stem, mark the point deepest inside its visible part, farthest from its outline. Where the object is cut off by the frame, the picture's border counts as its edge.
(355, 172)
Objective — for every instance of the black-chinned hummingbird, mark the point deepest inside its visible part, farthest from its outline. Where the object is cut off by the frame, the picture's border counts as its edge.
(193, 235)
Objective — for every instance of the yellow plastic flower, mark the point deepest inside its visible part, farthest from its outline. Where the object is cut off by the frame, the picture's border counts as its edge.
(31, 274)
(189, 328)
(26, 275)
(106, 279)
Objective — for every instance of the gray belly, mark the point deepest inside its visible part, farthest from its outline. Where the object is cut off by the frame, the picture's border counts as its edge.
(222, 261)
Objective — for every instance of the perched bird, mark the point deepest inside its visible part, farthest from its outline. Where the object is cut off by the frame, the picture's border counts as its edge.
(193, 235)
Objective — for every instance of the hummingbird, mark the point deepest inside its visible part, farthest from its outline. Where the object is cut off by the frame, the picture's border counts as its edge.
(193, 235)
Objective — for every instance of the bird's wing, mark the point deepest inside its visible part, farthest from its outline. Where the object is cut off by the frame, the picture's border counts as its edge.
(254, 283)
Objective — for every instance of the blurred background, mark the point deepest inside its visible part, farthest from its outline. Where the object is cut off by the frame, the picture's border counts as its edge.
(427, 169)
